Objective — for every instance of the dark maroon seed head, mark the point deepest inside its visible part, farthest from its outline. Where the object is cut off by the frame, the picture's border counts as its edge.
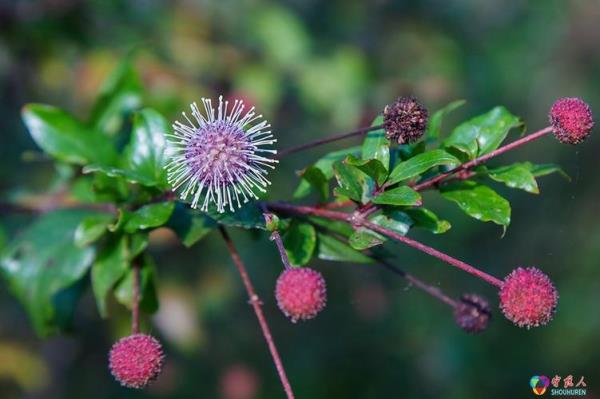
(405, 120)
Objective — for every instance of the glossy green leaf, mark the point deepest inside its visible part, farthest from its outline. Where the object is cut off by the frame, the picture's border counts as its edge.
(330, 248)
(421, 163)
(434, 127)
(317, 180)
(351, 181)
(300, 241)
(152, 215)
(363, 239)
(479, 201)
(190, 226)
(393, 220)
(92, 228)
(515, 176)
(399, 196)
(426, 219)
(376, 145)
(42, 263)
(119, 95)
(249, 216)
(65, 138)
(110, 266)
(148, 298)
(372, 167)
(484, 133)
(325, 165)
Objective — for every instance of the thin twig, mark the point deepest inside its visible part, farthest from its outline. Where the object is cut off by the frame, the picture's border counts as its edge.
(326, 140)
(357, 220)
(275, 236)
(256, 304)
(135, 309)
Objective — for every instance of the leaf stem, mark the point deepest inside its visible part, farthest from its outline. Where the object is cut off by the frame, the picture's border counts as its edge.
(256, 304)
(484, 158)
(357, 220)
(275, 236)
(335, 137)
(135, 308)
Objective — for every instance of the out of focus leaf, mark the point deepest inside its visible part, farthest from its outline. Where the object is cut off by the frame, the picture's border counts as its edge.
(300, 241)
(330, 248)
(434, 127)
(120, 94)
(152, 215)
(92, 228)
(376, 145)
(426, 219)
(190, 227)
(399, 196)
(421, 163)
(148, 298)
(545, 169)
(479, 201)
(65, 138)
(42, 262)
(110, 266)
(315, 177)
(515, 176)
(484, 133)
(371, 167)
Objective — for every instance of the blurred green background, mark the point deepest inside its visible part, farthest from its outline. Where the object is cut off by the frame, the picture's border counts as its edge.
(313, 68)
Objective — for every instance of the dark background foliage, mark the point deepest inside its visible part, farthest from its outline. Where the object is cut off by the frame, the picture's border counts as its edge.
(315, 67)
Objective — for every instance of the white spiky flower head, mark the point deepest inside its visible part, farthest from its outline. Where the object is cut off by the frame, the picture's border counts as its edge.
(220, 158)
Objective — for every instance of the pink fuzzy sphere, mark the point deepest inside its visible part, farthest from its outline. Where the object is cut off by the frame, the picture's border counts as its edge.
(571, 119)
(136, 360)
(301, 293)
(528, 297)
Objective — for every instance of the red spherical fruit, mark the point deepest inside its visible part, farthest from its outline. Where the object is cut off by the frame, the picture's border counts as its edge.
(136, 360)
(528, 297)
(571, 119)
(301, 293)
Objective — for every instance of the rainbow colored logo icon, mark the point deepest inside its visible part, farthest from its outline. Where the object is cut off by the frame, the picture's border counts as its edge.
(539, 384)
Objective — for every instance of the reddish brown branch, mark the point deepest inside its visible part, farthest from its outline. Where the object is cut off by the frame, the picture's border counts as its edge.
(256, 304)
(135, 308)
(357, 220)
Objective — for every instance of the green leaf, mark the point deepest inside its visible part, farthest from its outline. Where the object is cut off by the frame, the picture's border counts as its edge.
(145, 155)
(325, 165)
(372, 167)
(376, 145)
(399, 196)
(515, 176)
(484, 133)
(190, 227)
(65, 138)
(434, 127)
(479, 201)
(426, 219)
(351, 181)
(393, 220)
(148, 298)
(92, 228)
(300, 241)
(317, 180)
(119, 95)
(42, 263)
(152, 215)
(333, 249)
(418, 164)
(545, 169)
(335, 226)
(364, 238)
(110, 266)
(249, 216)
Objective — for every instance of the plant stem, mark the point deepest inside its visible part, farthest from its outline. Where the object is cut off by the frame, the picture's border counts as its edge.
(484, 158)
(135, 309)
(429, 289)
(256, 304)
(326, 140)
(358, 220)
(275, 236)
